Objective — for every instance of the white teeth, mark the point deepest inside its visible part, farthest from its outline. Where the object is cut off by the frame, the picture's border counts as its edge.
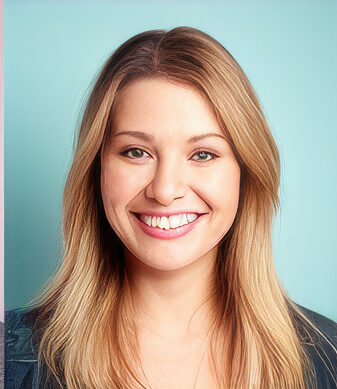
(174, 221)
(146, 219)
(183, 219)
(191, 217)
(165, 223)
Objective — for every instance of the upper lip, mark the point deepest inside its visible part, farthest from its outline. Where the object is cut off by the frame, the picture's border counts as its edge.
(167, 214)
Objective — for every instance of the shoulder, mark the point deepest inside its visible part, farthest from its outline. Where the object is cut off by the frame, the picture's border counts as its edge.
(320, 343)
(20, 352)
(327, 326)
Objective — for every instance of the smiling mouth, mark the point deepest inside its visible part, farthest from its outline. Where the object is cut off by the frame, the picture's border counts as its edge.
(171, 222)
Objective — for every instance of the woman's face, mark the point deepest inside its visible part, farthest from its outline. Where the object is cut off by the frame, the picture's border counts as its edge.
(169, 180)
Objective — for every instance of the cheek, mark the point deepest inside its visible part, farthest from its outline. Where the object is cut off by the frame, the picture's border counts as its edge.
(118, 185)
(221, 188)
(230, 186)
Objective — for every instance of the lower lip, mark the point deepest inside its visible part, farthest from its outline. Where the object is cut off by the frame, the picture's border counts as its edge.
(166, 234)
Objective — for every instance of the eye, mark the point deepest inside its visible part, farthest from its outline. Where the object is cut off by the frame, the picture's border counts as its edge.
(203, 156)
(133, 153)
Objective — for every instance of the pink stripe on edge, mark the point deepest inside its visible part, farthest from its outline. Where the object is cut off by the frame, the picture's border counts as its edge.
(2, 161)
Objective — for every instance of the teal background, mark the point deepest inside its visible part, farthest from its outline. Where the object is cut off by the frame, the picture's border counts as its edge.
(288, 50)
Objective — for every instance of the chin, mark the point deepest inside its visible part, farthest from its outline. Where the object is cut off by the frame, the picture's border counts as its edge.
(168, 263)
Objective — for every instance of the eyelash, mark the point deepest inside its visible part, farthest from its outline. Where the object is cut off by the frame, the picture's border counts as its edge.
(125, 152)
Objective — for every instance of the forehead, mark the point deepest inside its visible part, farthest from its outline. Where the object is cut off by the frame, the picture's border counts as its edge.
(158, 106)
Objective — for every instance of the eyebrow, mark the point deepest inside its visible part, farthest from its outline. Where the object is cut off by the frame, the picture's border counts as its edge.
(148, 138)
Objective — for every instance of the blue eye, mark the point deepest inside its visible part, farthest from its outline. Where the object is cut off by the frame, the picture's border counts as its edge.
(204, 155)
(133, 153)
(137, 153)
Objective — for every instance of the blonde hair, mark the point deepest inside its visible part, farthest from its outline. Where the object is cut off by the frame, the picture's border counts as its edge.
(85, 314)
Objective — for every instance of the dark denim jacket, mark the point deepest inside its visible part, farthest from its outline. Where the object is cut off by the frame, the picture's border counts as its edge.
(21, 353)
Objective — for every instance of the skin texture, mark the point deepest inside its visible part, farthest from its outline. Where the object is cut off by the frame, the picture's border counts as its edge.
(169, 278)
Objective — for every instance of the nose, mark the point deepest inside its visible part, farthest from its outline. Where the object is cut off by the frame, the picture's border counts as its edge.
(167, 183)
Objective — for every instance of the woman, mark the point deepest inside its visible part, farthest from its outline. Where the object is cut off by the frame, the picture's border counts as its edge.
(168, 278)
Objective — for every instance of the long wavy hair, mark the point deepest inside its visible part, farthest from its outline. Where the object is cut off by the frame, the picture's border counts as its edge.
(85, 315)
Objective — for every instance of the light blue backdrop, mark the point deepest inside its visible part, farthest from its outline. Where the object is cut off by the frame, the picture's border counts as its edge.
(287, 49)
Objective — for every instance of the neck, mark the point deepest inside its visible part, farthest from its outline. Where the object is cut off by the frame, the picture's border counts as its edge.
(174, 304)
